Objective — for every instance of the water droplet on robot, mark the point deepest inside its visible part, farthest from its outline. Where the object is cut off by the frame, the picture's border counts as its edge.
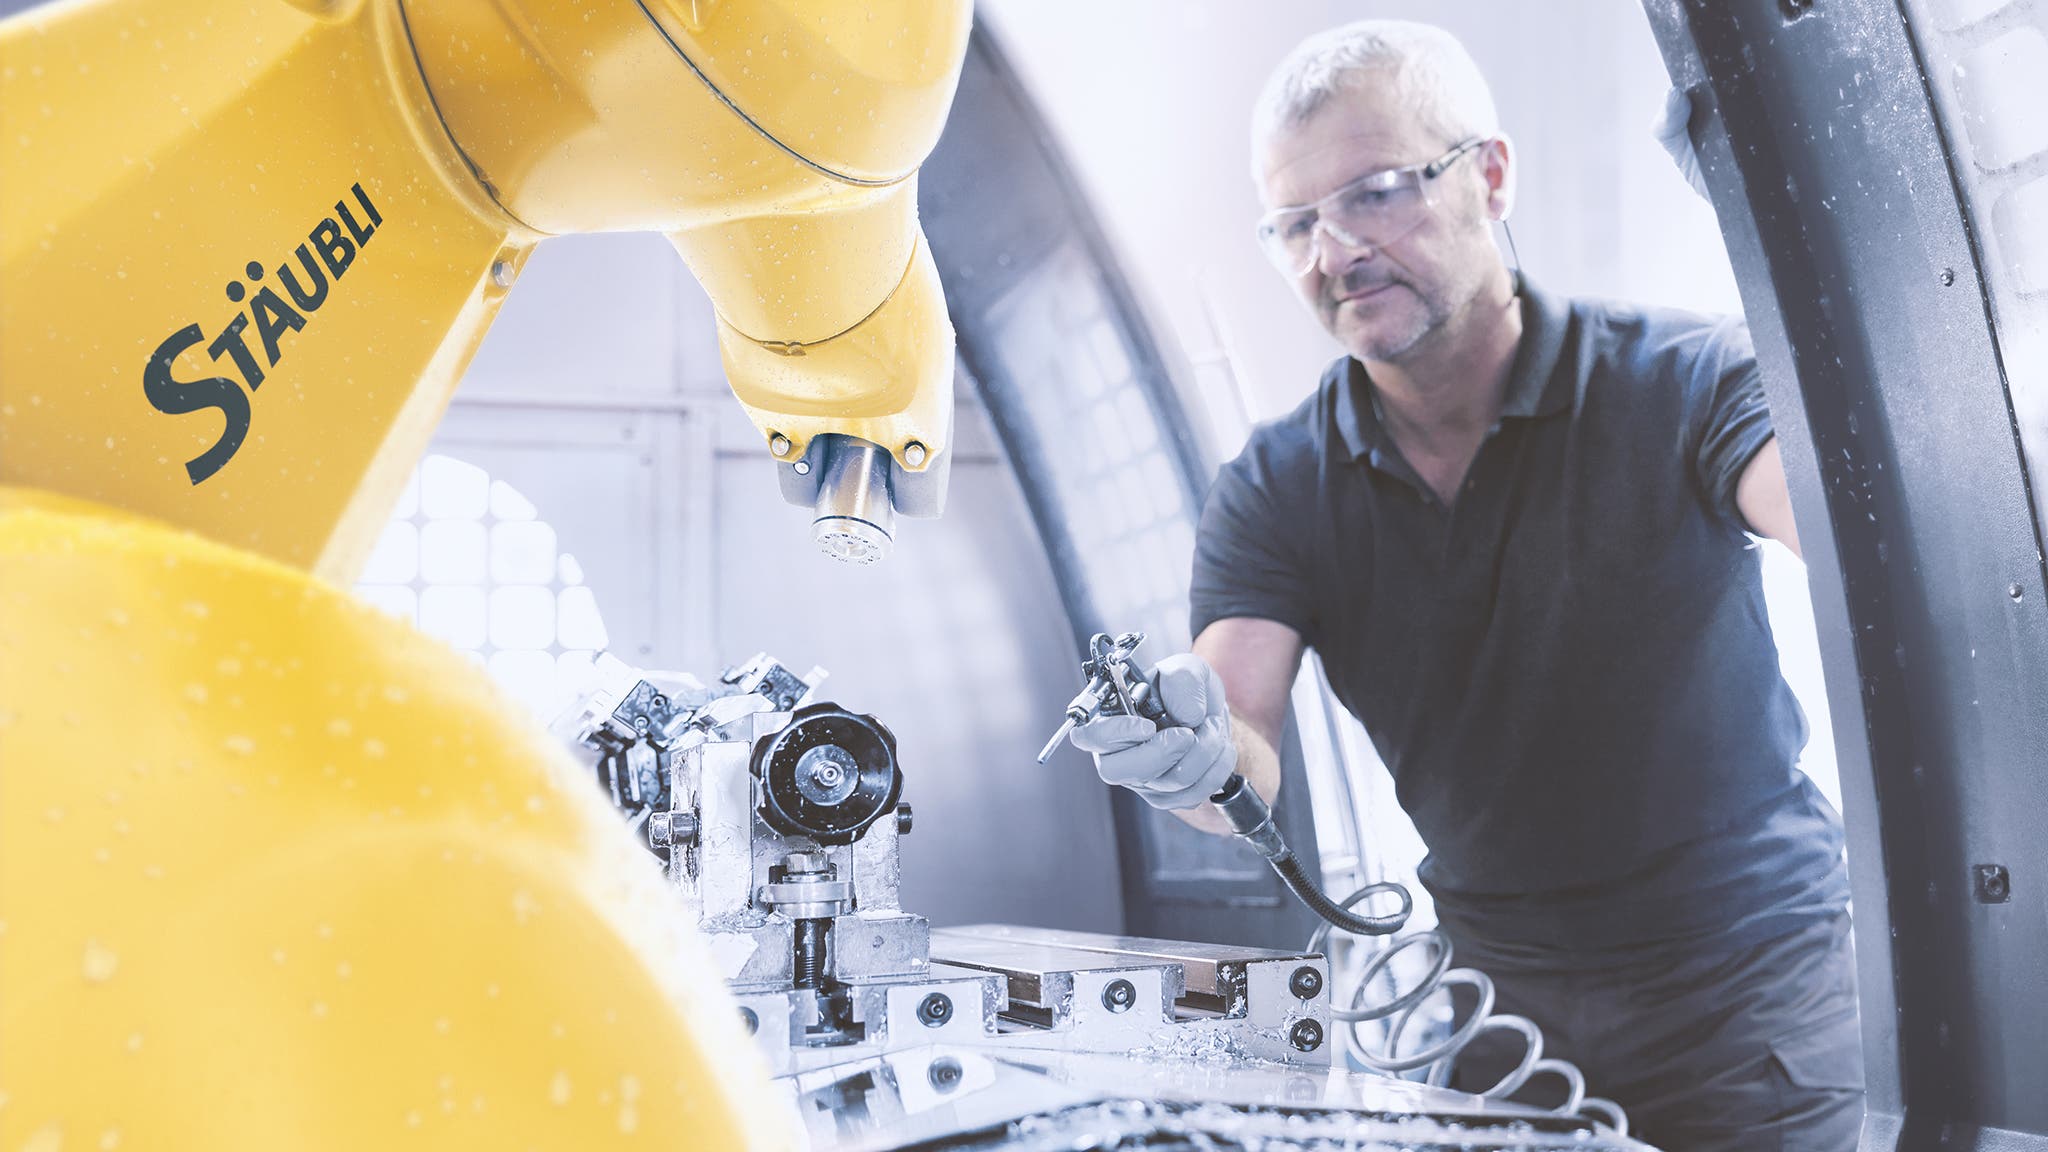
(100, 962)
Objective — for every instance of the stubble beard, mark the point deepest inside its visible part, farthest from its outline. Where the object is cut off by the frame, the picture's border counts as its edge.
(1393, 337)
(1438, 315)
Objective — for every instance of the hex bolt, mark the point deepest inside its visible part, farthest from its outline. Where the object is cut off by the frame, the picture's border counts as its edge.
(1306, 1035)
(501, 273)
(1119, 995)
(945, 1074)
(1994, 883)
(671, 829)
(914, 454)
(1306, 983)
(807, 864)
(903, 819)
(749, 1021)
(936, 1010)
(779, 444)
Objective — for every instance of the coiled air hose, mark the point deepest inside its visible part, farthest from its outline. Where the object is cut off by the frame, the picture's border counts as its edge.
(1252, 821)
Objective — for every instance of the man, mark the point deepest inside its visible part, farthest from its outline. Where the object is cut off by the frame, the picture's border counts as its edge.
(1514, 528)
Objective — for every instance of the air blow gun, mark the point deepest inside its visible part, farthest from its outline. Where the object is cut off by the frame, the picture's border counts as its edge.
(1118, 686)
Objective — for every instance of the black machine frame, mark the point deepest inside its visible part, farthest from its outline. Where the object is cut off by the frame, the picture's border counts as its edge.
(1863, 277)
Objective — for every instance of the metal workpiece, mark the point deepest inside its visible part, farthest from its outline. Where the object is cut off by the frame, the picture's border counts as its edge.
(764, 676)
(1211, 970)
(800, 1030)
(781, 821)
(879, 945)
(1083, 991)
(1040, 977)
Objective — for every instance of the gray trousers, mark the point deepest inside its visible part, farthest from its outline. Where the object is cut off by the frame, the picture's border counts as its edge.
(1756, 1049)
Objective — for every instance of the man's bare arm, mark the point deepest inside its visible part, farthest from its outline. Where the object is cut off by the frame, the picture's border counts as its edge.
(1257, 660)
(1760, 495)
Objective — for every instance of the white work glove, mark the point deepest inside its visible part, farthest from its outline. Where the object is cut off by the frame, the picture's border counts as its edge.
(1671, 132)
(1179, 762)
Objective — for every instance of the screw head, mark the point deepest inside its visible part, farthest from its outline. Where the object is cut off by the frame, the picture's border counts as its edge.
(1948, 277)
(2015, 591)
(914, 454)
(1306, 983)
(1306, 1035)
(749, 1021)
(802, 467)
(1994, 883)
(1119, 995)
(903, 819)
(945, 1074)
(779, 444)
(936, 1010)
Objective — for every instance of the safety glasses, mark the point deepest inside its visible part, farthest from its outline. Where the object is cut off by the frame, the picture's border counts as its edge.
(1370, 212)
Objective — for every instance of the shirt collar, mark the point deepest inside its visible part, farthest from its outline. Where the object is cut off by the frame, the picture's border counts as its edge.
(1534, 386)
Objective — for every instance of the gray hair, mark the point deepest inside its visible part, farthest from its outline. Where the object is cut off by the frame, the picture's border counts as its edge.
(1431, 70)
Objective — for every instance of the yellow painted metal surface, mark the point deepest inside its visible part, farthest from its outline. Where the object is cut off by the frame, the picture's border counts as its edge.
(154, 153)
(247, 247)
(276, 871)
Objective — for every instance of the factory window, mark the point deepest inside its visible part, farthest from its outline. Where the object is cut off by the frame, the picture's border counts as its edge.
(1120, 492)
(468, 560)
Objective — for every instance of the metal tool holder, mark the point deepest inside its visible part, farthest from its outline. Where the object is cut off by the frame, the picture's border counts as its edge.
(779, 818)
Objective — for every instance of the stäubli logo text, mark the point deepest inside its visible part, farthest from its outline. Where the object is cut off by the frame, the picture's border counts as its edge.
(259, 330)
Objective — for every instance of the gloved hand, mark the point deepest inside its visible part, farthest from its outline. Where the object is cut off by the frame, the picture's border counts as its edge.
(1179, 762)
(1671, 132)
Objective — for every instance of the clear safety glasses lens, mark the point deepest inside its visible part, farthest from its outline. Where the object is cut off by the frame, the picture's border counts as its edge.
(1370, 212)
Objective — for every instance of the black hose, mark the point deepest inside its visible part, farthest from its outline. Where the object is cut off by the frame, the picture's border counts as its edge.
(1296, 878)
(1251, 819)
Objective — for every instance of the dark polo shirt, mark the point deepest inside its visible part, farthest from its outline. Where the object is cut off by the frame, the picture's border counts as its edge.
(1568, 669)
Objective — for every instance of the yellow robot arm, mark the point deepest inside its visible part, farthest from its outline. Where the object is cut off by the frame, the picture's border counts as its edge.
(275, 871)
(247, 249)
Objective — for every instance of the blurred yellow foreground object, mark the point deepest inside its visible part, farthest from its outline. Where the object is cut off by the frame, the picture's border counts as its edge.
(278, 872)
